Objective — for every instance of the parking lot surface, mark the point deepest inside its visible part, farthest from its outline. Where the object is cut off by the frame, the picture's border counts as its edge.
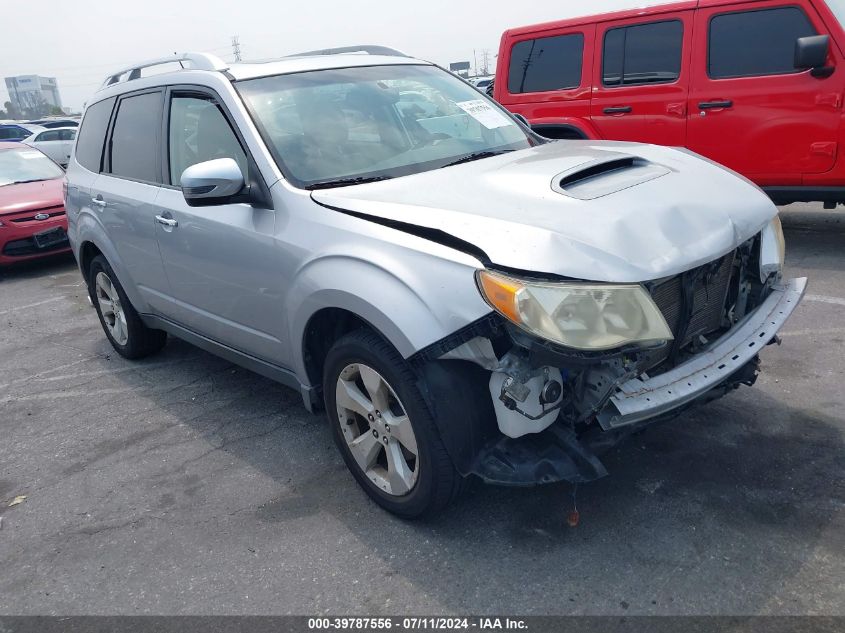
(182, 484)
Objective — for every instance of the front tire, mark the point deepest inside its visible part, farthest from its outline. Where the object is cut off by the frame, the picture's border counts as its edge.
(384, 429)
(121, 323)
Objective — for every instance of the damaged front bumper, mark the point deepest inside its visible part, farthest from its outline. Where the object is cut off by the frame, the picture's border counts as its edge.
(456, 384)
(643, 398)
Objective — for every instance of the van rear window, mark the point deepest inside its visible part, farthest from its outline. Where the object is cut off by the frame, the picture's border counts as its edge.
(548, 63)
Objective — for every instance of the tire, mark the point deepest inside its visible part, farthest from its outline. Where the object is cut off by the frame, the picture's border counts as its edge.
(436, 483)
(128, 335)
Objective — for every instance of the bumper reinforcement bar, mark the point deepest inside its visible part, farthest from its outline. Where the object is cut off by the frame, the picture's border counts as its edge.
(638, 399)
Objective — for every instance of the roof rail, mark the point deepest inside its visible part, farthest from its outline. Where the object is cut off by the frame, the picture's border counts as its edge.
(369, 49)
(195, 61)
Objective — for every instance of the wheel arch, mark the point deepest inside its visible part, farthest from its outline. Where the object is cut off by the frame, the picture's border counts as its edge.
(559, 131)
(335, 295)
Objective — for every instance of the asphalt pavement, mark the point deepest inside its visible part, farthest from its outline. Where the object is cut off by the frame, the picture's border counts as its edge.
(182, 484)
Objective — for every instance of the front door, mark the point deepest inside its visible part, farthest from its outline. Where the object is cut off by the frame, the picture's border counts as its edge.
(749, 107)
(641, 78)
(222, 261)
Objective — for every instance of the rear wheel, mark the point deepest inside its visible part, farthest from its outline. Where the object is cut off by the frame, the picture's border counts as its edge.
(383, 428)
(121, 323)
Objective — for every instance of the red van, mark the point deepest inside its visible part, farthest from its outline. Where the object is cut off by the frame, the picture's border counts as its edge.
(756, 85)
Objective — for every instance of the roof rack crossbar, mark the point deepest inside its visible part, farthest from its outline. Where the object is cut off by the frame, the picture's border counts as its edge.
(370, 49)
(196, 61)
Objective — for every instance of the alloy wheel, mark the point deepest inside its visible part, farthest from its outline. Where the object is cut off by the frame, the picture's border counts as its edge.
(111, 309)
(377, 429)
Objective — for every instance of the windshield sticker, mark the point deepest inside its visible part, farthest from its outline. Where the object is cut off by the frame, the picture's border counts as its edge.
(484, 113)
(29, 155)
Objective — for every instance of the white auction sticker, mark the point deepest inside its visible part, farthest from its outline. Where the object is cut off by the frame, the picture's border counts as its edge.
(30, 154)
(484, 113)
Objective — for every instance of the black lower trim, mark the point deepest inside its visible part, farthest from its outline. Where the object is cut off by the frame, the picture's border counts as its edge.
(262, 367)
(788, 195)
(27, 246)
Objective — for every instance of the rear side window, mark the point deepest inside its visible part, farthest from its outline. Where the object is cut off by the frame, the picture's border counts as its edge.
(134, 139)
(67, 135)
(52, 135)
(13, 133)
(643, 54)
(92, 135)
(756, 43)
(548, 63)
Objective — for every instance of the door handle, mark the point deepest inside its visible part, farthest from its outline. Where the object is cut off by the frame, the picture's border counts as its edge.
(169, 222)
(99, 202)
(618, 110)
(710, 105)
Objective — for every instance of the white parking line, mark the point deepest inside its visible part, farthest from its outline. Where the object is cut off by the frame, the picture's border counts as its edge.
(31, 305)
(825, 299)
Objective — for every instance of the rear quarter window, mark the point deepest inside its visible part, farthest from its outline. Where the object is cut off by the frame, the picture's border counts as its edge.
(548, 63)
(92, 135)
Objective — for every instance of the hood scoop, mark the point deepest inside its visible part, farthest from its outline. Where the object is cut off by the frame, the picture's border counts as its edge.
(605, 176)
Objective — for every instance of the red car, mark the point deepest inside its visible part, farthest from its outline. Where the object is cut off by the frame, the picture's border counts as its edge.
(32, 210)
(756, 85)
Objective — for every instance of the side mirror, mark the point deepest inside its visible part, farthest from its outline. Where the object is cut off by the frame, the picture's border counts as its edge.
(212, 182)
(811, 53)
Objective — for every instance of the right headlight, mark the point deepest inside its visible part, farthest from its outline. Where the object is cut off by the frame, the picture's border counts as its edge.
(582, 316)
(772, 249)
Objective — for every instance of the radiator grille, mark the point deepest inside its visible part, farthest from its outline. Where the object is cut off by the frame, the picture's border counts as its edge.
(708, 303)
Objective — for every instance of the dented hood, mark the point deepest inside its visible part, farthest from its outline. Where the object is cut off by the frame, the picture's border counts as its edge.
(601, 211)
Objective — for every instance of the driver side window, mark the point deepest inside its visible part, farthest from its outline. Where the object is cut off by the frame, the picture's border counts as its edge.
(198, 132)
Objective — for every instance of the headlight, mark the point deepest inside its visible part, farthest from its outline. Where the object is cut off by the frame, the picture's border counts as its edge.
(578, 315)
(772, 249)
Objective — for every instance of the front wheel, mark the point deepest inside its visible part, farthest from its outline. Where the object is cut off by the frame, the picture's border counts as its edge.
(384, 429)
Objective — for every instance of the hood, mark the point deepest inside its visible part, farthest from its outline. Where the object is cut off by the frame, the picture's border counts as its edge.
(30, 196)
(599, 211)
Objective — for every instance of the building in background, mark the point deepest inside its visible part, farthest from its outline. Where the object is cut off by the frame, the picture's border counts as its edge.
(33, 96)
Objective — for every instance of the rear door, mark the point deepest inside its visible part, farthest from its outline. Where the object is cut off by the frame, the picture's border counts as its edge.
(125, 192)
(641, 78)
(50, 143)
(66, 138)
(222, 261)
(749, 108)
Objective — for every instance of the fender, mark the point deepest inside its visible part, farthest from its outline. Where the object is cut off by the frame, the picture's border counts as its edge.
(395, 298)
(88, 229)
(583, 126)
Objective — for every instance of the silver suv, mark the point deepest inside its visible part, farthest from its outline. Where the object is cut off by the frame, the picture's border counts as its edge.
(461, 296)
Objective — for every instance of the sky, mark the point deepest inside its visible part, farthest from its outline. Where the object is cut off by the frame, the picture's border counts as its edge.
(79, 42)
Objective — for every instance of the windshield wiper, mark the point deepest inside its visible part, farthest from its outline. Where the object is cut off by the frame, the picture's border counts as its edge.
(476, 156)
(347, 182)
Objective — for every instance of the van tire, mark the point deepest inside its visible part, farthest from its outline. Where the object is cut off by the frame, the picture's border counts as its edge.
(140, 341)
(438, 483)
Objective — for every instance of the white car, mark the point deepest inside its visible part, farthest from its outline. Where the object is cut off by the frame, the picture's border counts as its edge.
(57, 143)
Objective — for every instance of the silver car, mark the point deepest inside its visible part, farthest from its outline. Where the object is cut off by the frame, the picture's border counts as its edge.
(461, 296)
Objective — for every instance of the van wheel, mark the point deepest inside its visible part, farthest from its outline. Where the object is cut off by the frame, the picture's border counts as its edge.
(121, 323)
(384, 429)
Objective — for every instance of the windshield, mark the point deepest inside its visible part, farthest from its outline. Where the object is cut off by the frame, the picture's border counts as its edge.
(26, 165)
(352, 125)
(837, 7)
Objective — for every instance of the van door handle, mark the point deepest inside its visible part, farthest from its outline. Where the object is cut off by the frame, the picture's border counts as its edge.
(99, 202)
(710, 105)
(169, 222)
(618, 110)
